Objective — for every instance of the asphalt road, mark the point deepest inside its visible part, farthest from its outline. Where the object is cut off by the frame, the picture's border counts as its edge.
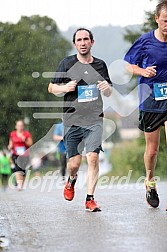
(40, 219)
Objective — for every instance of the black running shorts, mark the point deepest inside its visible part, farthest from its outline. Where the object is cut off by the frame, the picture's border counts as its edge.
(24, 161)
(149, 122)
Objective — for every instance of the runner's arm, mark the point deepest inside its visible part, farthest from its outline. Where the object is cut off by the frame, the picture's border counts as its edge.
(57, 138)
(147, 72)
(10, 161)
(57, 89)
(10, 145)
(29, 141)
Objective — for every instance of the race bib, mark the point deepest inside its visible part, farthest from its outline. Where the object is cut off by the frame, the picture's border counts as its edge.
(88, 93)
(20, 150)
(160, 91)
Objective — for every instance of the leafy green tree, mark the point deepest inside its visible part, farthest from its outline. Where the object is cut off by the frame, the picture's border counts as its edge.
(148, 25)
(34, 44)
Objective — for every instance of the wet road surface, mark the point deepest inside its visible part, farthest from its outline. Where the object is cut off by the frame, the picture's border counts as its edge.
(41, 220)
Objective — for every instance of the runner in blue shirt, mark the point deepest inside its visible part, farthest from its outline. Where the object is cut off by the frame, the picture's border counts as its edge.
(148, 60)
(58, 136)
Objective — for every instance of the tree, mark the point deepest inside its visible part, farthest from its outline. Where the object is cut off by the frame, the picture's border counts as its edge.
(148, 25)
(34, 44)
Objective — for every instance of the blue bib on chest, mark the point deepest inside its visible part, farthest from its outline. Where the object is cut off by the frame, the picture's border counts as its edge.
(160, 91)
(88, 93)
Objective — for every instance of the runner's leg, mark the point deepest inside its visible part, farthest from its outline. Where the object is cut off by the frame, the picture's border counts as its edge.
(93, 171)
(166, 138)
(63, 162)
(150, 156)
(74, 164)
(19, 179)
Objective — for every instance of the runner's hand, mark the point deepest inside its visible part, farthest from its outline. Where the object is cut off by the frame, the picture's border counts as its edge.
(103, 85)
(50, 87)
(149, 72)
(70, 86)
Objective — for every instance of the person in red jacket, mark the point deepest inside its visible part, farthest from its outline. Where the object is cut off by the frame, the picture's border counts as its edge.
(20, 140)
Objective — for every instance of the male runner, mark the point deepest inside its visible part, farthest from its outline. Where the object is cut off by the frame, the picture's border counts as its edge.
(148, 59)
(85, 78)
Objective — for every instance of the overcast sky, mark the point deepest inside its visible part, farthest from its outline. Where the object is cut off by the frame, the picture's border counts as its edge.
(87, 13)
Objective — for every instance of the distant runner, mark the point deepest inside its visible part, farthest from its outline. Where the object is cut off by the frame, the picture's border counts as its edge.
(20, 140)
(58, 136)
(5, 170)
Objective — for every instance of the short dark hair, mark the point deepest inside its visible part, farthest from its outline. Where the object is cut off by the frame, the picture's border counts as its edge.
(82, 29)
(161, 6)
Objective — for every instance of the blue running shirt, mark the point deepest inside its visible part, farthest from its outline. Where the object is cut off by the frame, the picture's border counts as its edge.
(59, 130)
(146, 51)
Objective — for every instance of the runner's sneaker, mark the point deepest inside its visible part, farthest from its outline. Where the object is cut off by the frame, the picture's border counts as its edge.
(69, 189)
(92, 206)
(151, 193)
